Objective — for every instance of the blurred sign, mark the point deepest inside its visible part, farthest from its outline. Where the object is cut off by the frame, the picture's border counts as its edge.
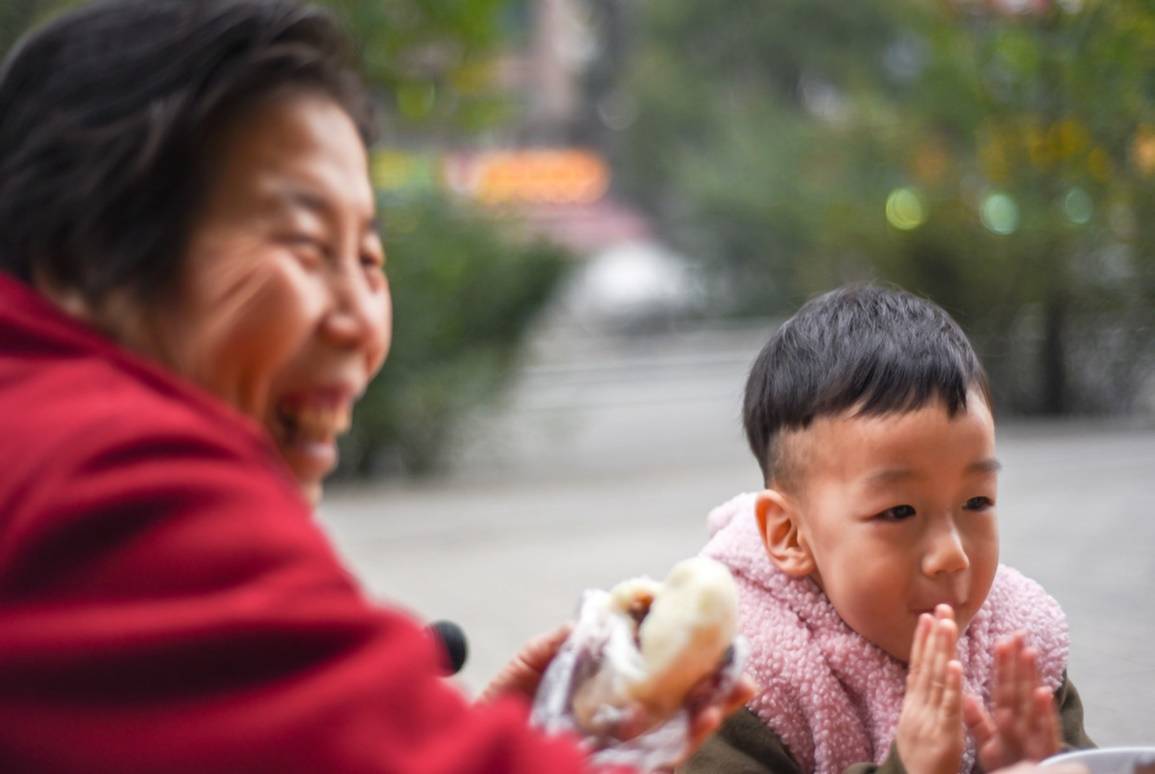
(538, 176)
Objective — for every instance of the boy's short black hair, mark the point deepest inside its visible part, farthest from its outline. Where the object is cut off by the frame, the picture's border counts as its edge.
(107, 116)
(867, 348)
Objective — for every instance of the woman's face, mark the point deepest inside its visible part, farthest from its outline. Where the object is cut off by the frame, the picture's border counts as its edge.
(283, 309)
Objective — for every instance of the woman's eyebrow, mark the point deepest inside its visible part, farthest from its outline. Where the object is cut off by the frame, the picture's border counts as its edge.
(301, 198)
(322, 207)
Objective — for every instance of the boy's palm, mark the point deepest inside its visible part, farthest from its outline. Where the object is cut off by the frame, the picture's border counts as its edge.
(1025, 726)
(930, 729)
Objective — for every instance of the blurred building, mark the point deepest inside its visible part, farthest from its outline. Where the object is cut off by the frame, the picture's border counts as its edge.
(549, 171)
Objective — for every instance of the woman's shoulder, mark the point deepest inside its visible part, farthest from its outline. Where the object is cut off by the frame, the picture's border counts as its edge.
(88, 420)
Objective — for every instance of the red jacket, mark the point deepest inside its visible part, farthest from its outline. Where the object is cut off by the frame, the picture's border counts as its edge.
(167, 603)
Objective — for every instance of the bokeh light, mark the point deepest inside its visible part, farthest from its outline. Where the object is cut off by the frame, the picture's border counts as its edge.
(904, 209)
(1078, 206)
(999, 213)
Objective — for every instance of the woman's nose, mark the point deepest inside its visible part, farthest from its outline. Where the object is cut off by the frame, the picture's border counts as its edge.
(945, 552)
(357, 315)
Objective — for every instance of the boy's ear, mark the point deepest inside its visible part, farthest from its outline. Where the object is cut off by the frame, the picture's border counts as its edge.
(778, 525)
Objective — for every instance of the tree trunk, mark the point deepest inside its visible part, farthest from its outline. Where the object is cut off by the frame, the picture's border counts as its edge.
(1055, 391)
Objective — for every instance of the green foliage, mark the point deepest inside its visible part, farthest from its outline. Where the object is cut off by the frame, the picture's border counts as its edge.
(431, 61)
(1022, 148)
(16, 16)
(463, 299)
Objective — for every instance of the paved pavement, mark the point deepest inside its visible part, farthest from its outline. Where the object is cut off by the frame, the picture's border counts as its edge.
(596, 473)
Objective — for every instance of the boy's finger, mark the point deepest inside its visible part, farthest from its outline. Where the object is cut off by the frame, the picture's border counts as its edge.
(978, 722)
(1004, 688)
(944, 612)
(952, 695)
(917, 669)
(943, 653)
(1047, 738)
(1028, 672)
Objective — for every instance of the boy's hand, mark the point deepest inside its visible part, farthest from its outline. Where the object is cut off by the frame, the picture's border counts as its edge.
(1025, 726)
(930, 736)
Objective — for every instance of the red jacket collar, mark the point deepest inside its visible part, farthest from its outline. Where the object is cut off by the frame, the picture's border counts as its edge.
(30, 322)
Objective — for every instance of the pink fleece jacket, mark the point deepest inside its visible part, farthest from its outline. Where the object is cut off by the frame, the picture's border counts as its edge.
(832, 696)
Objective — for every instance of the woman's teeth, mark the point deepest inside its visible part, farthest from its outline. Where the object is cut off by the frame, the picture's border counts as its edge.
(314, 423)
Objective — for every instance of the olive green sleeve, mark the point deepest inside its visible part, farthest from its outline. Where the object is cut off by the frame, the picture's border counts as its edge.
(745, 745)
(891, 765)
(1071, 717)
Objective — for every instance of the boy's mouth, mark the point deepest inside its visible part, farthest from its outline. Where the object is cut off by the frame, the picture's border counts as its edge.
(955, 606)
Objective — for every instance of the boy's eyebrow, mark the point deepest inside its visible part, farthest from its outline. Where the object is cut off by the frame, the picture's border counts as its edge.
(892, 475)
(989, 465)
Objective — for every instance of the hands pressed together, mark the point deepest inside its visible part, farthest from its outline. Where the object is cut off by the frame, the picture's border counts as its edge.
(936, 716)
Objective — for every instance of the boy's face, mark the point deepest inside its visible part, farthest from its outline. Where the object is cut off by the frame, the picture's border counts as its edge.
(897, 514)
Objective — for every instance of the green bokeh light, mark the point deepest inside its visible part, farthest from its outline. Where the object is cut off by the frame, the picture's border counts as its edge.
(1078, 206)
(904, 209)
(1000, 214)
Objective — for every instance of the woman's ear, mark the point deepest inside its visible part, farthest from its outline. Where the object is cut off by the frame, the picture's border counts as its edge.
(778, 525)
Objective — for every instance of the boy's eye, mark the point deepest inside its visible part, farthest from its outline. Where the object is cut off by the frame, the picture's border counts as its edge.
(979, 504)
(897, 513)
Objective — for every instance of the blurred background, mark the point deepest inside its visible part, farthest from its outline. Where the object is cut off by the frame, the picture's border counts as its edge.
(597, 210)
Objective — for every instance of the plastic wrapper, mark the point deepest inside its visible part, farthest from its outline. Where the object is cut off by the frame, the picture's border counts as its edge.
(642, 658)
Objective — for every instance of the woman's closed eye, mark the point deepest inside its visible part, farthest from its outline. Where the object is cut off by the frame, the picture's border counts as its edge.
(897, 513)
(979, 504)
(311, 249)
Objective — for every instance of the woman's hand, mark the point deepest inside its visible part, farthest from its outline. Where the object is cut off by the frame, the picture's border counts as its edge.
(521, 676)
(1025, 726)
(930, 736)
(708, 719)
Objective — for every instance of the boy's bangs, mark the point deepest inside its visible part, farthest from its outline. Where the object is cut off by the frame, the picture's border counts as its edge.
(863, 351)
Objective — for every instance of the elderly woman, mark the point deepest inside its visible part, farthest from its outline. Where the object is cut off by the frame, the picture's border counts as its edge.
(192, 297)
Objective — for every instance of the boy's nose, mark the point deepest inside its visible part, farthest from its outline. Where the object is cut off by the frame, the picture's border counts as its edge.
(945, 552)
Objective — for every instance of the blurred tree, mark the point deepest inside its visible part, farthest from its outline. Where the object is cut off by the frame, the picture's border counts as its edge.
(433, 63)
(18, 15)
(999, 162)
(463, 298)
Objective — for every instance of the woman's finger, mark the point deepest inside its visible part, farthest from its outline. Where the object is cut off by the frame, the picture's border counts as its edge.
(523, 674)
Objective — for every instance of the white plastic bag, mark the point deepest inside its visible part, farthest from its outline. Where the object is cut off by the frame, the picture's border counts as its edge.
(599, 659)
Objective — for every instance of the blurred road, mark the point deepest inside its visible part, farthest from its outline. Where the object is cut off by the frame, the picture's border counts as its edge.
(604, 463)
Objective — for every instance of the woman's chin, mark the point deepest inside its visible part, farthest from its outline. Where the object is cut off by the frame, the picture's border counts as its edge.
(312, 491)
(310, 463)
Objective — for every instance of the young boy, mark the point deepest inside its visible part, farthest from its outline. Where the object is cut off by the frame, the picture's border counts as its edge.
(885, 635)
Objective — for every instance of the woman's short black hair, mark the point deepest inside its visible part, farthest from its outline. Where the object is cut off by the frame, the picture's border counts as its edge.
(106, 121)
(866, 349)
